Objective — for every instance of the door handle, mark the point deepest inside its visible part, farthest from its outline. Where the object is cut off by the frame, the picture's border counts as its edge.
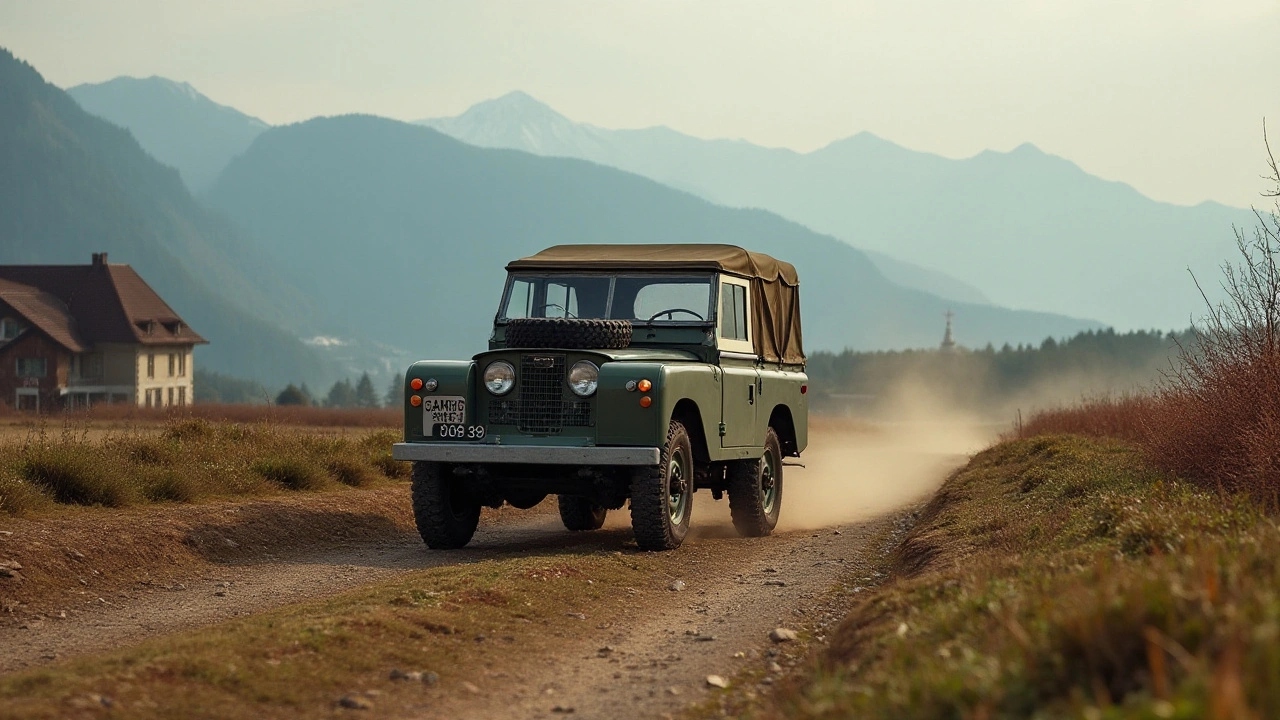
(751, 394)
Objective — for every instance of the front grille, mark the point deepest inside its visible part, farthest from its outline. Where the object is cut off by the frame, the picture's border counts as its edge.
(542, 404)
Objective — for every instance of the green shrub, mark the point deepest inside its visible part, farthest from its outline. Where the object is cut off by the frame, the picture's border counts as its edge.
(19, 496)
(75, 477)
(164, 484)
(350, 472)
(190, 429)
(291, 473)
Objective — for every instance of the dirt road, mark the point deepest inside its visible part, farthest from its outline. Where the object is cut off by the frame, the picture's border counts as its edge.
(177, 568)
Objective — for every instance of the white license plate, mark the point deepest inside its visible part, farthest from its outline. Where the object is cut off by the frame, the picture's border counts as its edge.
(443, 410)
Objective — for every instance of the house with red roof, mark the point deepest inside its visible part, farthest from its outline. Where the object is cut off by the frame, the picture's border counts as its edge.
(73, 336)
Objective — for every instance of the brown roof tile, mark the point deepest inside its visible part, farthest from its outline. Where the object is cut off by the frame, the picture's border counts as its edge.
(106, 303)
(44, 311)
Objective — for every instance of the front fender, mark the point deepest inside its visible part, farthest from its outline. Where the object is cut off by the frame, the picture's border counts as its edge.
(455, 377)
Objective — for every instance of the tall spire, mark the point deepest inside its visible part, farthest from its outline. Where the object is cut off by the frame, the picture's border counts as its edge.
(948, 344)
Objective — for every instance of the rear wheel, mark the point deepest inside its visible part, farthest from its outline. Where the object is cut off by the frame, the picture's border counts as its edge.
(578, 514)
(662, 497)
(755, 490)
(445, 513)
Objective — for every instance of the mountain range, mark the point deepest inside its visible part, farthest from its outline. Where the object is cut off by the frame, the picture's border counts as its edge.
(172, 121)
(1029, 229)
(72, 184)
(403, 232)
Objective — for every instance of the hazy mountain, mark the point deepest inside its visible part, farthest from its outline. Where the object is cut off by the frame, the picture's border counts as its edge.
(174, 123)
(1032, 230)
(72, 184)
(405, 231)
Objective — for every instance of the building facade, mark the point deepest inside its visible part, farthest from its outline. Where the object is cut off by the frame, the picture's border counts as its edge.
(74, 336)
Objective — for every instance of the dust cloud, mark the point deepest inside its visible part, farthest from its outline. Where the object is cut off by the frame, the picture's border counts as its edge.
(856, 469)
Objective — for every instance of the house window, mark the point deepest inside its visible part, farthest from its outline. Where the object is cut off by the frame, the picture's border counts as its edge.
(151, 365)
(170, 396)
(9, 329)
(182, 364)
(31, 367)
(173, 365)
(148, 394)
(182, 395)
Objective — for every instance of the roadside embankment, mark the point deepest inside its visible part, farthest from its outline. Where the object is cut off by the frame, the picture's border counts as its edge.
(1059, 576)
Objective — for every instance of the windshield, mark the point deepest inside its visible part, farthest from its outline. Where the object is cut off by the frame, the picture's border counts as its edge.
(639, 298)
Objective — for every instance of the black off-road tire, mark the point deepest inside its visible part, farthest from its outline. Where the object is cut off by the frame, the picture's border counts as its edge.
(446, 516)
(651, 496)
(568, 333)
(578, 514)
(754, 511)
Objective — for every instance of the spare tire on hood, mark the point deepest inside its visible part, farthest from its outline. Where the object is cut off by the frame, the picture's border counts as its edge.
(568, 333)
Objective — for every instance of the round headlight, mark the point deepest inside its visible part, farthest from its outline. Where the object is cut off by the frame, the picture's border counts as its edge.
(499, 377)
(583, 378)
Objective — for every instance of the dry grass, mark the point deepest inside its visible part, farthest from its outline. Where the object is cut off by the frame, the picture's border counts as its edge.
(1062, 577)
(187, 460)
(277, 414)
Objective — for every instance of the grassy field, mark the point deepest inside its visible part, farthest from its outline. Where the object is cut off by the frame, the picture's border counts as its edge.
(184, 459)
(1061, 576)
(451, 625)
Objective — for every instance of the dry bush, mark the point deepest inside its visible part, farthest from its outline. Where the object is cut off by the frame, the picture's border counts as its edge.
(1121, 417)
(1216, 418)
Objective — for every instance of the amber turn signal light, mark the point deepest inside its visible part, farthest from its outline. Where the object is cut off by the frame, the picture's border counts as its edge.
(645, 386)
(416, 383)
(415, 400)
(646, 401)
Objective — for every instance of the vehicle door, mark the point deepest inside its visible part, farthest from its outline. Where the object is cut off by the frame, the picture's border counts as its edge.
(739, 401)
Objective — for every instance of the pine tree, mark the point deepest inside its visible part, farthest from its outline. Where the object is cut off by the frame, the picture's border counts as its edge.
(293, 395)
(341, 395)
(365, 395)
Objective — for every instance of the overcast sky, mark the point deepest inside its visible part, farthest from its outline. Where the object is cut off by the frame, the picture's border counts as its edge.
(1167, 95)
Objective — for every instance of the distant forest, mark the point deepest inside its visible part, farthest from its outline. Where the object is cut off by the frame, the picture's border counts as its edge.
(989, 380)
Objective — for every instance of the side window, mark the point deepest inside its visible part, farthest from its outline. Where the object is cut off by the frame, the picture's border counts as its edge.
(733, 312)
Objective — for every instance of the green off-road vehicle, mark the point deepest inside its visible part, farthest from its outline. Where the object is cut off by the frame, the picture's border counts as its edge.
(617, 373)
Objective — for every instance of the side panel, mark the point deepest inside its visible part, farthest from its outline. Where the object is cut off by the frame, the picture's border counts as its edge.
(455, 377)
(781, 387)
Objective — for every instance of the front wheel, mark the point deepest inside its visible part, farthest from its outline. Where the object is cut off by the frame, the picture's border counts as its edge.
(445, 513)
(755, 490)
(662, 497)
(578, 514)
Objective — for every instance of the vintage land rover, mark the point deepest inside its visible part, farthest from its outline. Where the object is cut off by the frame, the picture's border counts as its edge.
(617, 373)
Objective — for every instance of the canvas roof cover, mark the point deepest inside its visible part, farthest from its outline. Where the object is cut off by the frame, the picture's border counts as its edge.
(775, 321)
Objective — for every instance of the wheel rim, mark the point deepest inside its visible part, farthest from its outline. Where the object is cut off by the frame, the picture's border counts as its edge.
(769, 482)
(677, 489)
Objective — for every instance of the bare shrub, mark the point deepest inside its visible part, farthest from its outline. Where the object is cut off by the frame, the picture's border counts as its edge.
(1218, 419)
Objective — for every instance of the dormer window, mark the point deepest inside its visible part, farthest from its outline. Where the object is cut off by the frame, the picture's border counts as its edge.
(9, 329)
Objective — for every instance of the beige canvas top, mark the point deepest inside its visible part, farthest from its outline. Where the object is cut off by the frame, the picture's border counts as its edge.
(775, 322)
(722, 258)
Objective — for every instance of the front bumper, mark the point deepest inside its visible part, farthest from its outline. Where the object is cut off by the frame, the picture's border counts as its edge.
(526, 454)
